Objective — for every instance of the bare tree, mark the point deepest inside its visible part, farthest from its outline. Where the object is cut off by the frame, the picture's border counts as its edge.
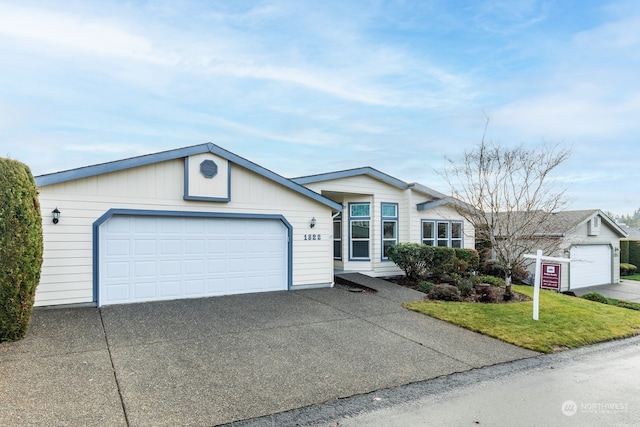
(510, 196)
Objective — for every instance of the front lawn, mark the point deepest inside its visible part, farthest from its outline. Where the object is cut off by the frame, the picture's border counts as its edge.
(564, 321)
(632, 277)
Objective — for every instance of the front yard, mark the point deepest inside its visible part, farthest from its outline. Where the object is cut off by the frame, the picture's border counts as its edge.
(565, 321)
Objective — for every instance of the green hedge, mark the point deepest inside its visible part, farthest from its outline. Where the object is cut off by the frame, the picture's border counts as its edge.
(627, 269)
(624, 251)
(634, 252)
(419, 261)
(20, 248)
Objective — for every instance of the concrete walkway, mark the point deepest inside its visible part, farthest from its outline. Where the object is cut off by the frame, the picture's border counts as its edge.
(628, 290)
(217, 360)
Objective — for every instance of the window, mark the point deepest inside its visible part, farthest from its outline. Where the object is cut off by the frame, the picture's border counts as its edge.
(456, 234)
(337, 237)
(428, 233)
(442, 233)
(389, 227)
(360, 231)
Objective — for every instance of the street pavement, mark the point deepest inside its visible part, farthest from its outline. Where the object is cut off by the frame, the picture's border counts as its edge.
(590, 386)
(218, 360)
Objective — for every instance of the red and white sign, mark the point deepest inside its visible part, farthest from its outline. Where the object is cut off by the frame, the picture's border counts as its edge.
(550, 276)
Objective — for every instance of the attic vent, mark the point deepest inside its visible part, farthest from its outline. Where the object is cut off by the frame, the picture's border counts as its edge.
(208, 168)
(593, 227)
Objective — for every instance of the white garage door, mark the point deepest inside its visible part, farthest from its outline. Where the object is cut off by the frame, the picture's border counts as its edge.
(590, 266)
(147, 258)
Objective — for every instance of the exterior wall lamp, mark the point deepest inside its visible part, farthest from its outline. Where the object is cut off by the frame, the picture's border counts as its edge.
(313, 222)
(56, 215)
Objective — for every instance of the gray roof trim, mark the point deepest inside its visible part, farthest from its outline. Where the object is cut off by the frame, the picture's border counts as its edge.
(367, 170)
(425, 206)
(133, 162)
(428, 191)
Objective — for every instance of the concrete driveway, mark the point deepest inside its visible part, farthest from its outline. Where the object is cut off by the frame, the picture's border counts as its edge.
(628, 290)
(216, 360)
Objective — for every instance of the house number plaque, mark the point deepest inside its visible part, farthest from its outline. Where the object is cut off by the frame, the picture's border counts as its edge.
(312, 237)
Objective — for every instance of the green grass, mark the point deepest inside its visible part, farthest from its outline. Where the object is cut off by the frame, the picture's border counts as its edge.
(564, 321)
(632, 277)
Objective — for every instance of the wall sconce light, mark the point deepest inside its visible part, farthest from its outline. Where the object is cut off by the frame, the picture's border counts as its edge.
(56, 215)
(313, 222)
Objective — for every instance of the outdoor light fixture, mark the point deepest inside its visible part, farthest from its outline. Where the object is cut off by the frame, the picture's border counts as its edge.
(313, 222)
(56, 215)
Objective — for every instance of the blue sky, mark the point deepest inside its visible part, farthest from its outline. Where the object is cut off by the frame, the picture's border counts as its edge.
(303, 87)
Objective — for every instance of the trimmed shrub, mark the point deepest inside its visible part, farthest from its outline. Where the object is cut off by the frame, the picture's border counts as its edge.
(445, 293)
(465, 286)
(443, 261)
(627, 269)
(491, 280)
(20, 248)
(412, 258)
(594, 296)
(624, 251)
(425, 286)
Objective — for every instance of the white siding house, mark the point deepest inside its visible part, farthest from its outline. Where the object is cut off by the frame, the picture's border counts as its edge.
(196, 221)
(380, 210)
(592, 241)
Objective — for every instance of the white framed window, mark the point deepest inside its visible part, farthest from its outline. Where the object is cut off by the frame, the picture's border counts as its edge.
(389, 227)
(359, 231)
(442, 233)
(429, 233)
(337, 237)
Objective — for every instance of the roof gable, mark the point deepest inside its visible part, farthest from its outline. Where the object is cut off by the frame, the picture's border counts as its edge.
(368, 171)
(133, 162)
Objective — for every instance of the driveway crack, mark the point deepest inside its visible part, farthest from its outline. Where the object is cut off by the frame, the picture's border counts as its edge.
(113, 370)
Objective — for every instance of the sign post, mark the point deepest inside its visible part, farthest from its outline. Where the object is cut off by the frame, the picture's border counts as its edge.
(552, 276)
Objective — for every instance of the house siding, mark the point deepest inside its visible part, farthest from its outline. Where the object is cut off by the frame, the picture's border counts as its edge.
(67, 271)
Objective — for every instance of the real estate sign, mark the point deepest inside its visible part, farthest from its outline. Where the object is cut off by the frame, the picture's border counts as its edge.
(550, 276)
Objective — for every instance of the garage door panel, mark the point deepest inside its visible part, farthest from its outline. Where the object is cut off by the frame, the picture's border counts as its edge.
(170, 289)
(144, 290)
(170, 268)
(194, 287)
(144, 247)
(590, 265)
(117, 270)
(117, 247)
(152, 258)
(144, 269)
(170, 246)
(145, 227)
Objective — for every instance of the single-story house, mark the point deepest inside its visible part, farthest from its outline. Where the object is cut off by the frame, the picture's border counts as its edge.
(191, 222)
(592, 241)
(379, 211)
(201, 221)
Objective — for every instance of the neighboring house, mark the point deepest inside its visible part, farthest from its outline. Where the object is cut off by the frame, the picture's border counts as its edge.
(192, 222)
(379, 211)
(592, 240)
